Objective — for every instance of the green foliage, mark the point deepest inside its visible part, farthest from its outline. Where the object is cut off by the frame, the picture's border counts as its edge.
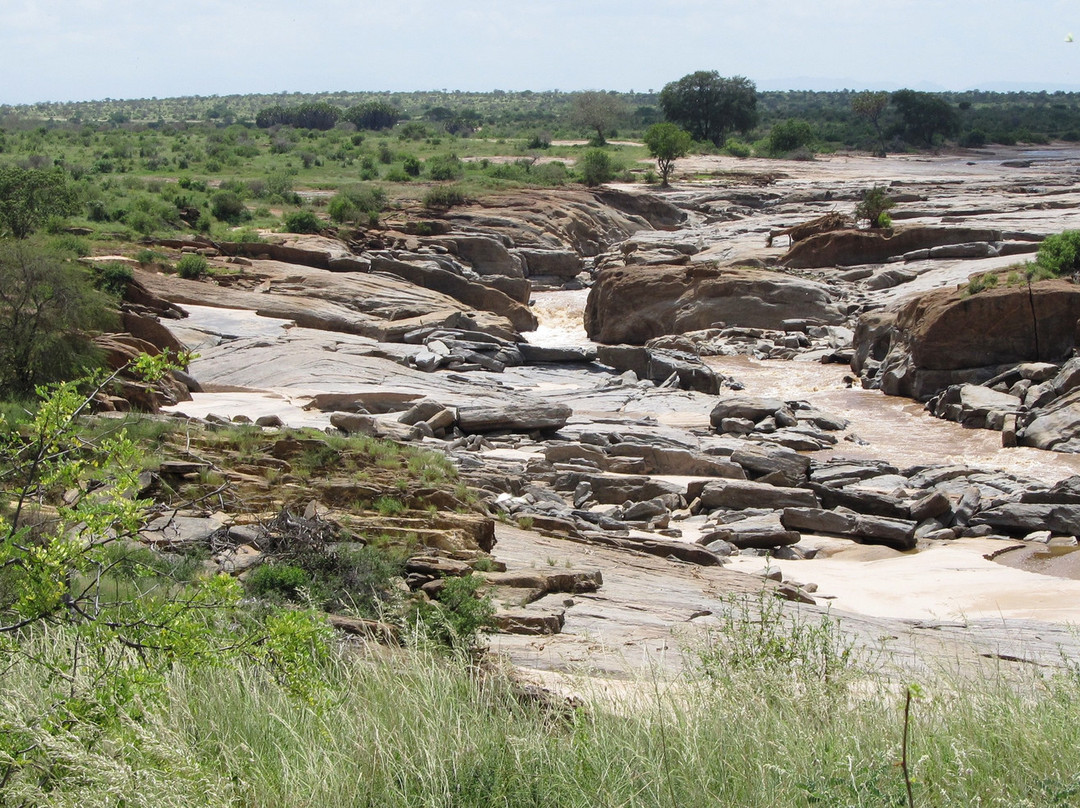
(301, 221)
(790, 135)
(871, 106)
(277, 582)
(192, 266)
(459, 618)
(356, 202)
(228, 207)
(667, 143)
(709, 106)
(979, 283)
(114, 277)
(443, 167)
(596, 111)
(596, 167)
(1060, 254)
(874, 207)
(444, 197)
(148, 256)
(374, 115)
(925, 116)
(47, 308)
(757, 636)
(736, 148)
(30, 196)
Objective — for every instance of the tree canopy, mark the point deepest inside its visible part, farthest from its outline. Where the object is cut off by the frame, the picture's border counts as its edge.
(924, 116)
(46, 306)
(597, 111)
(709, 106)
(28, 196)
(667, 142)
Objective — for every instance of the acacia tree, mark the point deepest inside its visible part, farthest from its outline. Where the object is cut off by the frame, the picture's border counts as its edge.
(872, 106)
(667, 142)
(29, 196)
(598, 111)
(709, 106)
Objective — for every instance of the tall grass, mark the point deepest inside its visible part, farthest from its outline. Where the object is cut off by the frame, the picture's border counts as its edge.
(412, 729)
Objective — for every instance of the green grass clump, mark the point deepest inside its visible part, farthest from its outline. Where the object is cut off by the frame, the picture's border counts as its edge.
(191, 266)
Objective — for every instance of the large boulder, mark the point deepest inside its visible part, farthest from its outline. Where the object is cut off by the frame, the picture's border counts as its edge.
(949, 336)
(636, 304)
(852, 247)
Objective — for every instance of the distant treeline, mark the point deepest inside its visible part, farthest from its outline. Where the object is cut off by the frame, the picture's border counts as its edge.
(972, 118)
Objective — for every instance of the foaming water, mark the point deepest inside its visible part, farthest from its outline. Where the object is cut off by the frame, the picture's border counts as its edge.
(561, 316)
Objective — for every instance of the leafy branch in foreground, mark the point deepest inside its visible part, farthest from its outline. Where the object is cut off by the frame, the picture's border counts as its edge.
(71, 567)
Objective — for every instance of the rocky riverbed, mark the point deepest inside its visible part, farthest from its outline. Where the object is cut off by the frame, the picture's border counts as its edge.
(692, 413)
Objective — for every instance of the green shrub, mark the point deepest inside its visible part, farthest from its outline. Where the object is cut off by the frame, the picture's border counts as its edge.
(596, 167)
(302, 221)
(1060, 254)
(357, 202)
(444, 197)
(228, 207)
(736, 148)
(443, 167)
(874, 206)
(411, 166)
(277, 582)
(114, 277)
(147, 256)
(790, 135)
(191, 266)
(459, 618)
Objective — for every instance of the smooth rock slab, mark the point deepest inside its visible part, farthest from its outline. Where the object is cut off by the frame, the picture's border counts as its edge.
(522, 416)
(740, 494)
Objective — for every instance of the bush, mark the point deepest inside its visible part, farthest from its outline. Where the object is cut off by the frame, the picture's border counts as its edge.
(302, 221)
(191, 266)
(228, 207)
(460, 616)
(596, 167)
(357, 202)
(277, 582)
(790, 135)
(114, 277)
(1060, 254)
(874, 207)
(736, 148)
(443, 167)
(411, 166)
(444, 197)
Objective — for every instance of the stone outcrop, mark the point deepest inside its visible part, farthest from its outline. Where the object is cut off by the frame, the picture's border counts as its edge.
(950, 336)
(853, 247)
(636, 304)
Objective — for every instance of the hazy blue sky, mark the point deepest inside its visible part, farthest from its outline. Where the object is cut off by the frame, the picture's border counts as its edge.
(59, 50)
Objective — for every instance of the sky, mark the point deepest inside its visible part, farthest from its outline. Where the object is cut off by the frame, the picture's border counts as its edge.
(80, 50)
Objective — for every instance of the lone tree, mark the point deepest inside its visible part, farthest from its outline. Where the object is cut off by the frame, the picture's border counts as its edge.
(924, 116)
(29, 196)
(667, 143)
(709, 106)
(597, 111)
(872, 106)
